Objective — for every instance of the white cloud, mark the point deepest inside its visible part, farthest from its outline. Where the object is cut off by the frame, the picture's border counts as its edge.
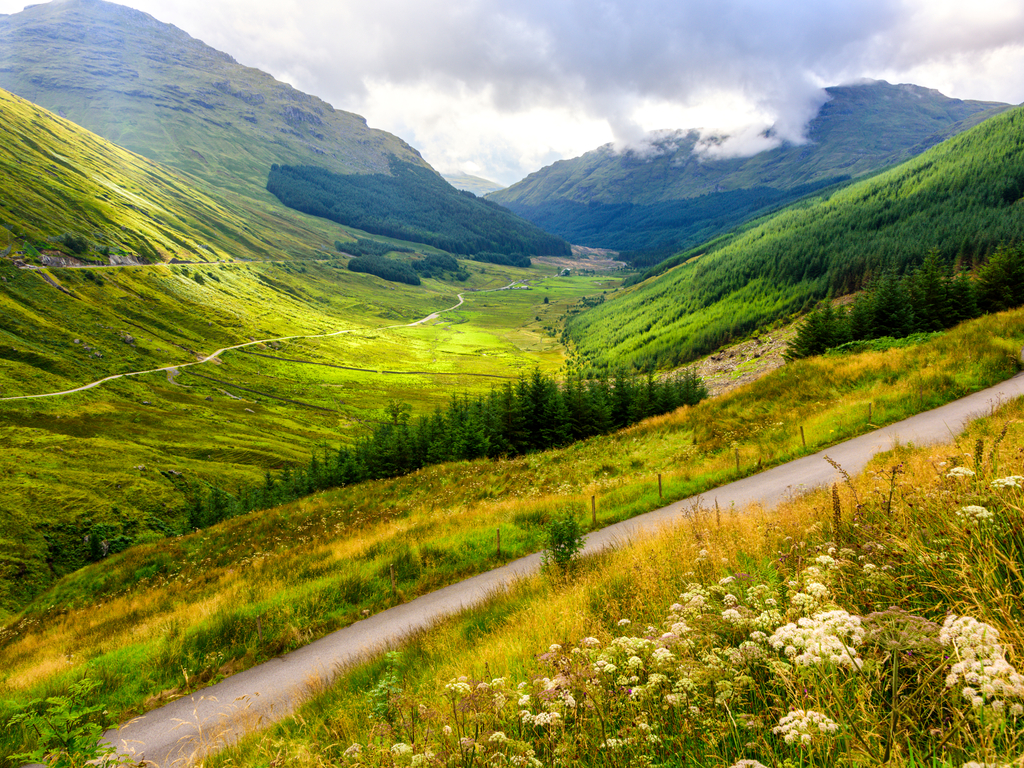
(507, 86)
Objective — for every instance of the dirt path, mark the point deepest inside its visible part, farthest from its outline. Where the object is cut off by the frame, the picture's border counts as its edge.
(172, 370)
(182, 731)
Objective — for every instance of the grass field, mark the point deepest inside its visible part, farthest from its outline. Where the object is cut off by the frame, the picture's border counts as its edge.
(117, 455)
(184, 610)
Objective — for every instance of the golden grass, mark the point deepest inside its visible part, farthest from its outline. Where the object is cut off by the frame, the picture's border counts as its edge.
(639, 581)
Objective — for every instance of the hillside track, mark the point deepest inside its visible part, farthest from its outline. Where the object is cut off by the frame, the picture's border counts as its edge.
(170, 369)
(188, 728)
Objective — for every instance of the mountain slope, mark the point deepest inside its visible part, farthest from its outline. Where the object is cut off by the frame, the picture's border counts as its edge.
(470, 183)
(676, 193)
(963, 198)
(150, 87)
(59, 180)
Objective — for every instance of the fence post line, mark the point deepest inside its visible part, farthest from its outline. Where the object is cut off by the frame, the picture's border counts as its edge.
(869, 412)
(802, 438)
(499, 542)
(659, 486)
(593, 510)
(394, 584)
(737, 459)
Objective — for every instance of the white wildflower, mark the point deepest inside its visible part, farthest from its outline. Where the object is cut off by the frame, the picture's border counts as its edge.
(830, 637)
(982, 665)
(803, 727)
(459, 686)
(1013, 481)
(974, 513)
(960, 472)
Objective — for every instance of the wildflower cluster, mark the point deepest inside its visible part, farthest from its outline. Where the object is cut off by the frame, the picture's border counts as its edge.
(831, 637)
(805, 727)
(960, 472)
(1013, 481)
(974, 513)
(811, 592)
(988, 679)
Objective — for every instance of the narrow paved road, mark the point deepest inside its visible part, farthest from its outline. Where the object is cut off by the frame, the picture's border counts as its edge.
(179, 732)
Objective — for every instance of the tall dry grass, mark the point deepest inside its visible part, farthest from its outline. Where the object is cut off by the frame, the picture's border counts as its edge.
(875, 564)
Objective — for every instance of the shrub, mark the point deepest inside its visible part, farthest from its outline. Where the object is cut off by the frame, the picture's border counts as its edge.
(67, 732)
(564, 541)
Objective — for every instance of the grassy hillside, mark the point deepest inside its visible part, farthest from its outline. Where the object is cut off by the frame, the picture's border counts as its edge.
(117, 458)
(66, 190)
(150, 87)
(317, 564)
(116, 463)
(728, 639)
(478, 186)
(674, 193)
(962, 198)
(155, 90)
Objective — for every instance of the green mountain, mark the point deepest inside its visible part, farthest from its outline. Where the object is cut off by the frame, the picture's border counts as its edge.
(963, 198)
(674, 194)
(151, 88)
(470, 183)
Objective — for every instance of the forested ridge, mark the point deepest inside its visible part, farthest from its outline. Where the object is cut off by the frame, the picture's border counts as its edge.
(412, 203)
(642, 231)
(961, 199)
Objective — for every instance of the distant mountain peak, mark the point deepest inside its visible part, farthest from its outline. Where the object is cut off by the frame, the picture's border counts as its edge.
(662, 191)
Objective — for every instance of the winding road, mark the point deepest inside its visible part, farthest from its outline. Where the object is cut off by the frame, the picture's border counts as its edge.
(184, 730)
(219, 352)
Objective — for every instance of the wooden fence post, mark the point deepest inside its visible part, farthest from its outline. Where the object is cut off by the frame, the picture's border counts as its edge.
(802, 438)
(593, 510)
(659, 485)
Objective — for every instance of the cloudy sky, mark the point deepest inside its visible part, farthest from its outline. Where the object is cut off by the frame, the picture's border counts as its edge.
(500, 88)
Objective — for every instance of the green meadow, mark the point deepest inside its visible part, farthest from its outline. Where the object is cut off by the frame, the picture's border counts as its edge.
(119, 455)
(189, 609)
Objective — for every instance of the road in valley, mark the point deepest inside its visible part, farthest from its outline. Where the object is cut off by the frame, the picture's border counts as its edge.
(182, 731)
(173, 369)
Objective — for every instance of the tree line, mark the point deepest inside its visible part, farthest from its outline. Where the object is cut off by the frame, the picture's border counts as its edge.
(411, 203)
(928, 298)
(534, 413)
